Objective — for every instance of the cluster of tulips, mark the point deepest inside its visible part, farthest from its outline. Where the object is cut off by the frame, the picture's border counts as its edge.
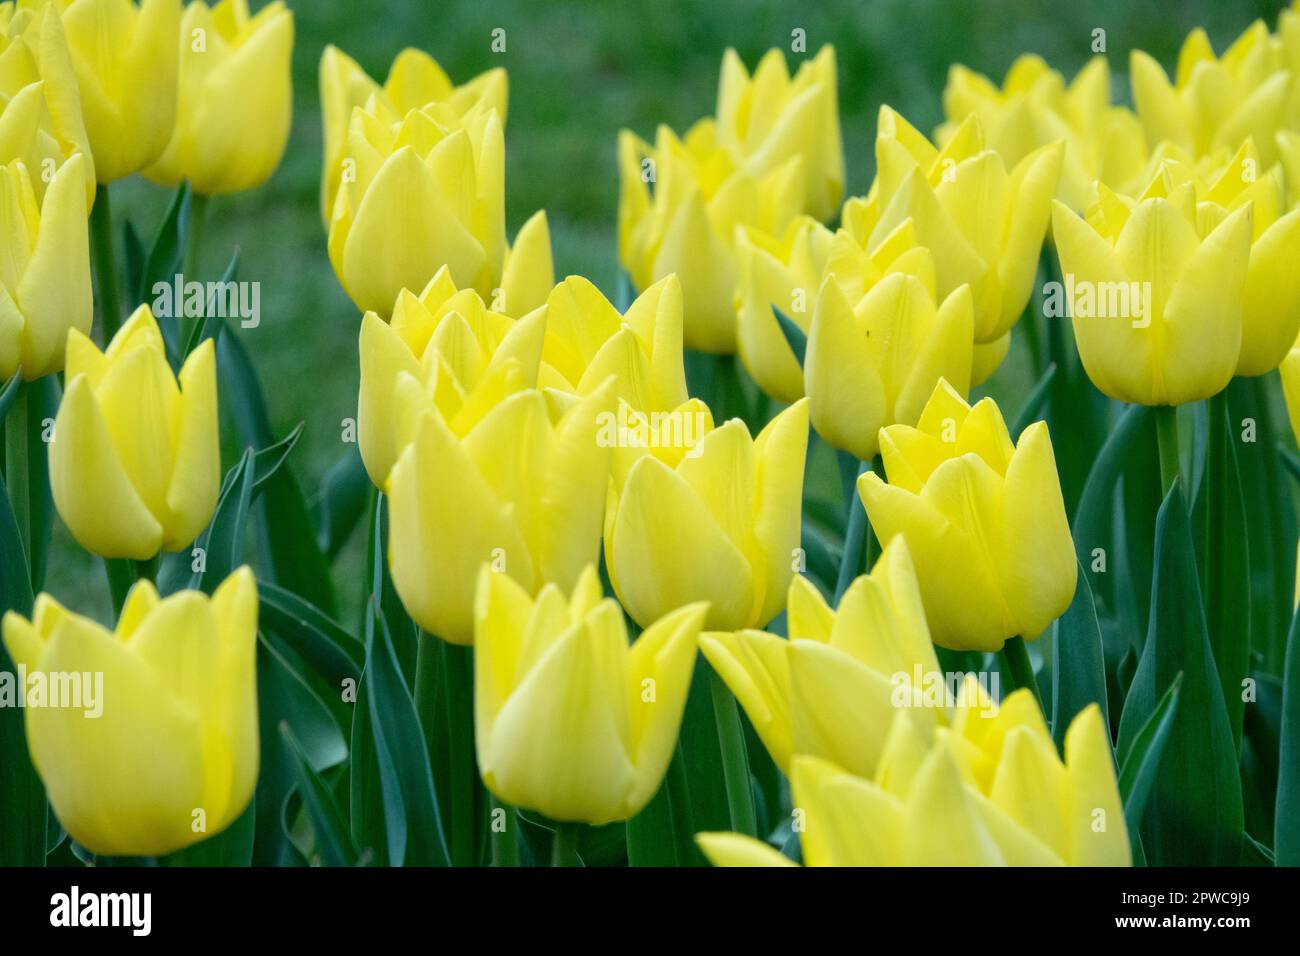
(606, 616)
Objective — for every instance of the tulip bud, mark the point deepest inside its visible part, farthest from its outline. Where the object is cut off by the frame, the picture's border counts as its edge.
(135, 464)
(235, 101)
(569, 719)
(983, 519)
(171, 756)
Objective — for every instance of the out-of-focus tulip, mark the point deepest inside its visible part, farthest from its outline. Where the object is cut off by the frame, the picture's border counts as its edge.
(1156, 291)
(983, 520)
(414, 80)
(987, 793)
(125, 57)
(984, 224)
(570, 720)
(721, 525)
(1034, 108)
(1216, 102)
(832, 689)
(770, 118)
(135, 464)
(45, 272)
(464, 357)
(167, 754)
(40, 119)
(518, 484)
(236, 98)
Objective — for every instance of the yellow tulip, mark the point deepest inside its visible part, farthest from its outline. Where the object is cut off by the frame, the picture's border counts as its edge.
(414, 80)
(983, 223)
(171, 758)
(463, 357)
(1187, 270)
(988, 793)
(771, 117)
(45, 272)
(831, 690)
(875, 362)
(135, 464)
(569, 720)
(125, 58)
(983, 520)
(40, 119)
(235, 101)
(720, 524)
(521, 488)
(1216, 102)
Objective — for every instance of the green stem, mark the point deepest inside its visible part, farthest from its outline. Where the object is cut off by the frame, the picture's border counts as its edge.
(121, 577)
(1015, 654)
(855, 537)
(148, 570)
(193, 247)
(1167, 436)
(458, 697)
(735, 761)
(564, 847)
(101, 247)
(505, 844)
(17, 469)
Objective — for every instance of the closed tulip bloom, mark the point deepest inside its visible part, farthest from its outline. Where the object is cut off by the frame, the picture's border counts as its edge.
(521, 488)
(721, 524)
(1183, 275)
(235, 101)
(135, 464)
(984, 223)
(414, 80)
(171, 756)
(125, 57)
(45, 272)
(771, 117)
(569, 719)
(875, 362)
(983, 519)
(463, 358)
(832, 689)
(40, 119)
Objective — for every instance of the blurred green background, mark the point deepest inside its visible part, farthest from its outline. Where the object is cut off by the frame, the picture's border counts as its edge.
(579, 71)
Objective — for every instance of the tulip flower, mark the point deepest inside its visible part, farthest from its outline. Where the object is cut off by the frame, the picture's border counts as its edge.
(721, 525)
(135, 464)
(464, 357)
(40, 119)
(983, 519)
(171, 756)
(235, 100)
(429, 191)
(1157, 292)
(876, 362)
(45, 272)
(520, 486)
(831, 690)
(125, 57)
(770, 118)
(569, 719)
(1216, 102)
(414, 81)
(987, 793)
(984, 224)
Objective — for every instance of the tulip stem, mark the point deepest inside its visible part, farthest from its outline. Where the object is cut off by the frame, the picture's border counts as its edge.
(101, 247)
(194, 235)
(505, 846)
(564, 847)
(17, 470)
(1015, 654)
(121, 578)
(855, 536)
(735, 761)
(1167, 436)
(458, 691)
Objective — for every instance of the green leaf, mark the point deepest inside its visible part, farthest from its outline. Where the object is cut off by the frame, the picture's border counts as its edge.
(1195, 816)
(332, 839)
(365, 791)
(1078, 667)
(1032, 409)
(214, 320)
(233, 846)
(1286, 823)
(133, 252)
(343, 498)
(8, 393)
(223, 541)
(268, 461)
(163, 263)
(795, 337)
(1140, 760)
(318, 638)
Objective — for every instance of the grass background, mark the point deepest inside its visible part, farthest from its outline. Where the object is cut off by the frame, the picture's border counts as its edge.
(579, 71)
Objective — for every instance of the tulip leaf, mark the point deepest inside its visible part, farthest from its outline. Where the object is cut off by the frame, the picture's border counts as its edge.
(233, 846)
(134, 254)
(1195, 814)
(213, 319)
(163, 263)
(1031, 411)
(343, 498)
(9, 393)
(333, 842)
(322, 642)
(1094, 517)
(1286, 823)
(795, 337)
(415, 836)
(625, 292)
(267, 461)
(223, 541)
(1078, 666)
(365, 791)
(1140, 761)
